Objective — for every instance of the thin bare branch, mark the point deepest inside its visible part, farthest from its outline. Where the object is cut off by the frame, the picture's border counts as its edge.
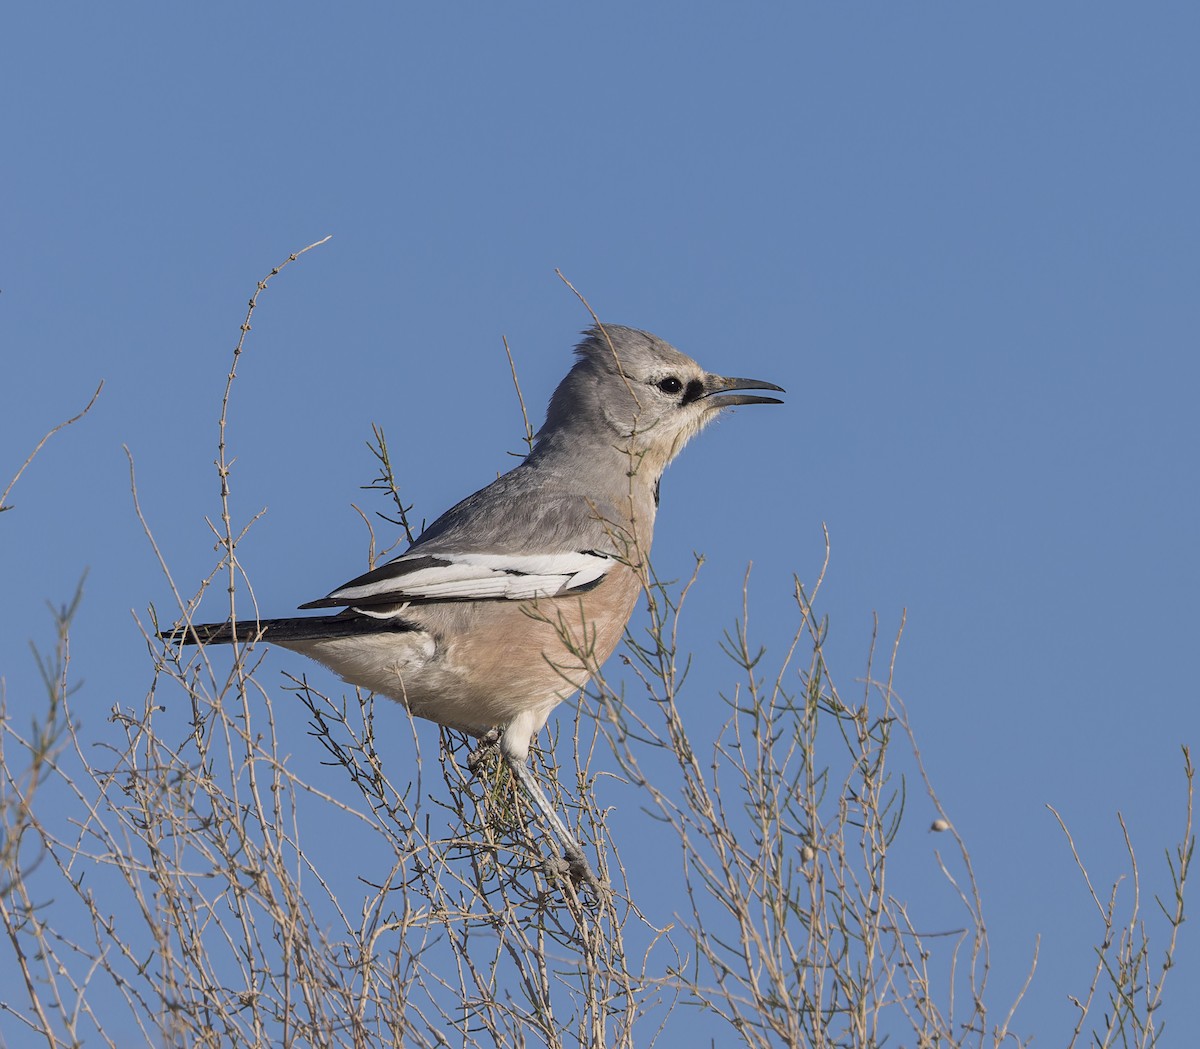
(41, 444)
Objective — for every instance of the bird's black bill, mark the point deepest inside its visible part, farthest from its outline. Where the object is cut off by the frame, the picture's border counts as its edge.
(719, 397)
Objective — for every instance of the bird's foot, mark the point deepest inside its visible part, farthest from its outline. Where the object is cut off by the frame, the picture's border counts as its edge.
(577, 868)
(489, 743)
(574, 868)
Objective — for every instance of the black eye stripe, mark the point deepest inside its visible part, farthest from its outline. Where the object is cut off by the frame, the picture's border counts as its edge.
(695, 390)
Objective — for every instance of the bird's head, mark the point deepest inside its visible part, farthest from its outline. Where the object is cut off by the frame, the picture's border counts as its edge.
(633, 391)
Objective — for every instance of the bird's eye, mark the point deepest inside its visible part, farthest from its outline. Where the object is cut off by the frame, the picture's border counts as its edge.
(670, 384)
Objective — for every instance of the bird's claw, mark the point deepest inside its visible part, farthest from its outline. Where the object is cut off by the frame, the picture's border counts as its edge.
(489, 742)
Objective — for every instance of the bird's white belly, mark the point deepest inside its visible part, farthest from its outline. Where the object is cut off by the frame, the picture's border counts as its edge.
(406, 666)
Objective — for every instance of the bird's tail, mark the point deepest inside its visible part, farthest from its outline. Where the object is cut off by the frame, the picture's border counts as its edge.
(300, 628)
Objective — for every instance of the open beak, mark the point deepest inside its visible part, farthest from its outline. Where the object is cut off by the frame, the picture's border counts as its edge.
(716, 386)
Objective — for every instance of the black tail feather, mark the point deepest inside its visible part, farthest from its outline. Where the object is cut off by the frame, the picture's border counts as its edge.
(299, 628)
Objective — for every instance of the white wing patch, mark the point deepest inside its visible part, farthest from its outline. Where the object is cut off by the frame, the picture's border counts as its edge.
(476, 577)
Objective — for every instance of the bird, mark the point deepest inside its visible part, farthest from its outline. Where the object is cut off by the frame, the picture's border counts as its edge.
(509, 602)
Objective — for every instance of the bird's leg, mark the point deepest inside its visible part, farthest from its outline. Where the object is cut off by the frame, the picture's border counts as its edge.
(581, 871)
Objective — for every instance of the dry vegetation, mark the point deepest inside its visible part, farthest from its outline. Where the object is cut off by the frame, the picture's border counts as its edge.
(175, 875)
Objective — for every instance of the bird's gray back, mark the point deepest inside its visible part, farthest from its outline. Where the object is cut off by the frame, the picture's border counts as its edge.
(539, 510)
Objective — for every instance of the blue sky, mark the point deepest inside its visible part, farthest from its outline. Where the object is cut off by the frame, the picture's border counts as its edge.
(962, 237)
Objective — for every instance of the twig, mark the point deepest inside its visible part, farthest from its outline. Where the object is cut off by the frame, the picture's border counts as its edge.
(32, 455)
(603, 331)
(517, 386)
